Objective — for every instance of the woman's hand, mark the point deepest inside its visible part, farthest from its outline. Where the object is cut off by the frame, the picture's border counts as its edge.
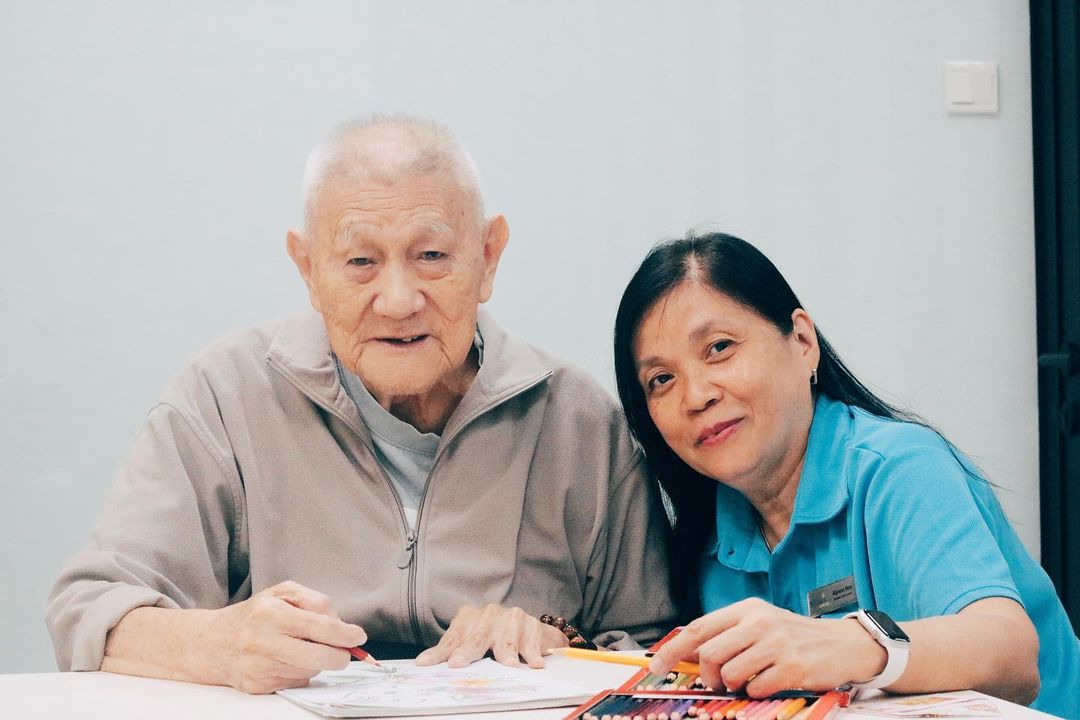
(507, 632)
(762, 649)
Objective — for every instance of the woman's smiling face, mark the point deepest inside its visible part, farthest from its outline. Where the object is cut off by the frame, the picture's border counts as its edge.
(728, 391)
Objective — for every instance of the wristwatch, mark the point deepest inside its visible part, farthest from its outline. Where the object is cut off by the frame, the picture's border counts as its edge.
(889, 635)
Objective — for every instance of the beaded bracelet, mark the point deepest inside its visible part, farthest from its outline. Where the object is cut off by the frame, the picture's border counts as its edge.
(577, 640)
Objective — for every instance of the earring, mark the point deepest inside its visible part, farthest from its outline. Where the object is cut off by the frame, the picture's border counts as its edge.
(813, 377)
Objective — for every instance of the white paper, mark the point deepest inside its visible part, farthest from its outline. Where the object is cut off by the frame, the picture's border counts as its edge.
(362, 690)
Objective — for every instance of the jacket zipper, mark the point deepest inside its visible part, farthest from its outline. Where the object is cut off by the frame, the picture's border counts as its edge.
(408, 554)
(414, 614)
(405, 559)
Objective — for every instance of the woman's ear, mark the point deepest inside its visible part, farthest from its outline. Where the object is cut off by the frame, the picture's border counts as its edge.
(804, 334)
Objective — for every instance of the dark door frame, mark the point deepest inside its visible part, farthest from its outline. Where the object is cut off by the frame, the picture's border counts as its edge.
(1055, 86)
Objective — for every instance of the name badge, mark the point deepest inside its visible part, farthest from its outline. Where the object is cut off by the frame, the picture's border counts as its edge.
(831, 597)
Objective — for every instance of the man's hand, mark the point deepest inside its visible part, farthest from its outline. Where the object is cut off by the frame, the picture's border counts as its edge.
(277, 638)
(282, 637)
(507, 632)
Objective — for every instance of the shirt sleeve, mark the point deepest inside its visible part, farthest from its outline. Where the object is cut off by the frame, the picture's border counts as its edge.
(171, 535)
(627, 585)
(929, 535)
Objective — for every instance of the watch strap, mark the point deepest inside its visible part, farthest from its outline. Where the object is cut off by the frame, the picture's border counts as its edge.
(896, 653)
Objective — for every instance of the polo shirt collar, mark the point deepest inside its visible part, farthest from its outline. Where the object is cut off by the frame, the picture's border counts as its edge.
(739, 544)
(823, 490)
(821, 495)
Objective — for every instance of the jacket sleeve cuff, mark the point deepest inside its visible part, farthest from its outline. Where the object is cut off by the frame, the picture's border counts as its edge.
(616, 640)
(88, 645)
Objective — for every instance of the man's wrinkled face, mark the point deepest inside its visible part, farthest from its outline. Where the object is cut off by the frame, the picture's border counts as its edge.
(398, 271)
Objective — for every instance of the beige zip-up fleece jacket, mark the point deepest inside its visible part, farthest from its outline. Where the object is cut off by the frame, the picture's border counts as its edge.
(255, 468)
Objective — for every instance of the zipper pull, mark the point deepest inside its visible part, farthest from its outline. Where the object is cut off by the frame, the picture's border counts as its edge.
(405, 559)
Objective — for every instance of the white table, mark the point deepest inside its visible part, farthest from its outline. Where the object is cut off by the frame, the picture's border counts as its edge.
(89, 696)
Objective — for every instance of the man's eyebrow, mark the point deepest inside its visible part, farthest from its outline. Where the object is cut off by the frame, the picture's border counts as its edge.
(346, 234)
(439, 227)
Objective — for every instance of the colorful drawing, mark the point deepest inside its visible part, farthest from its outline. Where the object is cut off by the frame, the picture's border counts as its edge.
(403, 688)
(964, 703)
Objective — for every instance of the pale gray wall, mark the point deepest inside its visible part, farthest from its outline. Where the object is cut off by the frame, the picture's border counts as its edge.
(151, 152)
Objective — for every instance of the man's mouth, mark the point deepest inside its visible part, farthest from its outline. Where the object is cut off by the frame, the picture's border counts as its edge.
(404, 341)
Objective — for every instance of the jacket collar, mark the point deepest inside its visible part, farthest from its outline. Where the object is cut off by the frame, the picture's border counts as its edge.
(301, 351)
(821, 495)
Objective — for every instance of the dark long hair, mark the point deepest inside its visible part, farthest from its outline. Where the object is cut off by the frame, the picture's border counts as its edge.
(740, 271)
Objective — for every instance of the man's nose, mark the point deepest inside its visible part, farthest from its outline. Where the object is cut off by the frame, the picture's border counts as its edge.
(398, 295)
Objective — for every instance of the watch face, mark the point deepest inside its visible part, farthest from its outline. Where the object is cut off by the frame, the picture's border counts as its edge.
(887, 626)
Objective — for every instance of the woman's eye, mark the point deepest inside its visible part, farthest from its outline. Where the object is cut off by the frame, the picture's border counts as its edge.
(719, 346)
(432, 255)
(656, 381)
(359, 261)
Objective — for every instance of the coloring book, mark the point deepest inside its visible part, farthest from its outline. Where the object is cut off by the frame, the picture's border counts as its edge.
(402, 688)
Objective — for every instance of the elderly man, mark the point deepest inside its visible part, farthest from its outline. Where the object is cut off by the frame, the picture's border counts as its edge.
(393, 470)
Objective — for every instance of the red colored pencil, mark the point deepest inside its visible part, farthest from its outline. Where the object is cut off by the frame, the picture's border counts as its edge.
(361, 654)
(824, 705)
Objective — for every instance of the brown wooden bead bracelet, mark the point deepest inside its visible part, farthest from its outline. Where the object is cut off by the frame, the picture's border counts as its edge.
(577, 640)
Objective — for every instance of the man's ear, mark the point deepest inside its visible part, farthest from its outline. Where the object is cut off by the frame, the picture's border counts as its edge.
(804, 333)
(298, 248)
(496, 235)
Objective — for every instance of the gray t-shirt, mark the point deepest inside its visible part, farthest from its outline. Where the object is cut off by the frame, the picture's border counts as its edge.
(405, 453)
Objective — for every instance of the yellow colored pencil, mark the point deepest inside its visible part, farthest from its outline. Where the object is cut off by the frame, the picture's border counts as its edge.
(791, 708)
(621, 659)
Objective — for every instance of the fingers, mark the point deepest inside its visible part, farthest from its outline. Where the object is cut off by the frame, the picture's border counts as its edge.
(716, 652)
(506, 652)
(536, 638)
(451, 639)
(524, 636)
(323, 629)
(509, 633)
(685, 644)
(749, 666)
(300, 658)
(434, 655)
(284, 635)
(766, 682)
(306, 614)
(478, 638)
(750, 645)
(304, 597)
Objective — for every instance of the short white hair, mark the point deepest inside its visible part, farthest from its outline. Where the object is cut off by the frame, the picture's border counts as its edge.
(385, 148)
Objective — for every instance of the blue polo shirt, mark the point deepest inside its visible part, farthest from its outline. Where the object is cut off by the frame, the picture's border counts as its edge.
(915, 524)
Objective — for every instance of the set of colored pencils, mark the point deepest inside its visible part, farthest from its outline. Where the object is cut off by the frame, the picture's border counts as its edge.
(672, 682)
(633, 707)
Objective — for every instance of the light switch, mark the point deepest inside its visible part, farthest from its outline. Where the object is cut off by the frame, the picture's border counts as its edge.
(971, 88)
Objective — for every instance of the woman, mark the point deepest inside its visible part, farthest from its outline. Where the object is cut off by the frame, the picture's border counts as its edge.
(799, 494)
